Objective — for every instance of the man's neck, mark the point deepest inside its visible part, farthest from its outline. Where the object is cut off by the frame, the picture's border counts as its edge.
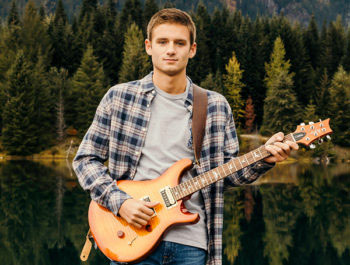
(170, 84)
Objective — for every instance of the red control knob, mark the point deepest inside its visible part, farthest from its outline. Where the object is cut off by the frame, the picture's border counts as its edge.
(120, 234)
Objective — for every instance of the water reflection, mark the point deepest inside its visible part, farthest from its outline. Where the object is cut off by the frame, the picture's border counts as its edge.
(305, 222)
(296, 215)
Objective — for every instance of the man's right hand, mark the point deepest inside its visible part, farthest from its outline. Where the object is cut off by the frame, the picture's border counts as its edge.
(137, 212)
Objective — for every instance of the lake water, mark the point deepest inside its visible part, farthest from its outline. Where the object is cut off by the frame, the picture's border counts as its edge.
(293, 215)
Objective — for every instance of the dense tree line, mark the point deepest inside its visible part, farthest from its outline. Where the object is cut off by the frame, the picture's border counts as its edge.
(53, 73)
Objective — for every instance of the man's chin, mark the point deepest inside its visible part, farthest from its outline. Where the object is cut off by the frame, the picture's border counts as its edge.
(171, 72)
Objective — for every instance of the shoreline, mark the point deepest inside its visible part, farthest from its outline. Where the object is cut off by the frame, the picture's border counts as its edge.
(68, 148)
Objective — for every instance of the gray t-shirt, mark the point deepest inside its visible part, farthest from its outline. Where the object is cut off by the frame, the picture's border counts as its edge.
(167, 141)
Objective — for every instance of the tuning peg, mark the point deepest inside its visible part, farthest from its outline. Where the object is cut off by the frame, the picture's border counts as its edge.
(328, 137)
(320, 141)
(312, 146)
(311, 122)
(302, 124)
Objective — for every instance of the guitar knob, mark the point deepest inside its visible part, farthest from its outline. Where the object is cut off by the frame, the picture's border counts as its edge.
(120, 234)
(302, 124)
(311, 122)
(312, 146)
(328, 137)
(320, 141)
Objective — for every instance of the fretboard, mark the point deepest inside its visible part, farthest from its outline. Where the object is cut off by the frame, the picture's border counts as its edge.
(199, 182)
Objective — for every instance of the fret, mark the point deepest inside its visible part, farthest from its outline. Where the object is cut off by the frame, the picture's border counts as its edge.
(261, 156)
(234, 163)
(246, 159)
(203, 180)
(193, 185)
(223, 168)
(240, 162)
(216, 174)
(195, 181)
(253, 157)
(230, 167)
(189, 186)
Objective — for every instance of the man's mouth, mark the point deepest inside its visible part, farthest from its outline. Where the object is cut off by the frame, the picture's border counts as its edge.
(170, 60)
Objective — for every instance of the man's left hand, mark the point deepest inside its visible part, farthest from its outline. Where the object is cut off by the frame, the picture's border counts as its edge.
(279, 151)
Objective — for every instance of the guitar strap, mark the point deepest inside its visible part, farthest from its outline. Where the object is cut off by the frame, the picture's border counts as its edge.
(199, 117)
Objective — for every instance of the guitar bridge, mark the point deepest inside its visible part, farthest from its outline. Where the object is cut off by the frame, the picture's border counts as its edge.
(168, 197)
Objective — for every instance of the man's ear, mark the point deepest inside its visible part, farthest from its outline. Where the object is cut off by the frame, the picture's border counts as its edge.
(193, 50)
(148, 47)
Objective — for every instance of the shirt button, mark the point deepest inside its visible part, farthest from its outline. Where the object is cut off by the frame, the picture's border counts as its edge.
(143, 129)
(148, 105)
(153, 92)
(137, 153)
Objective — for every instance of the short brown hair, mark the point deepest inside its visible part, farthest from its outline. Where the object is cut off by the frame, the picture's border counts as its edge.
(172, 15)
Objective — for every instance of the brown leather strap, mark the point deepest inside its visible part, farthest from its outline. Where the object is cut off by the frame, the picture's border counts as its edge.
(199, 117)
(87, 248)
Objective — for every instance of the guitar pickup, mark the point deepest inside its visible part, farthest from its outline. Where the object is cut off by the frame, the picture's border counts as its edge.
(168, 197)
(147, 199)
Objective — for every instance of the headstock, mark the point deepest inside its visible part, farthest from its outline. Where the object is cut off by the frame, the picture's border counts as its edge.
(307, 134)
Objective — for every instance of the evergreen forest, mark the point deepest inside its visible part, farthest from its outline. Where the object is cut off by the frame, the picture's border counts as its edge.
(274, 73)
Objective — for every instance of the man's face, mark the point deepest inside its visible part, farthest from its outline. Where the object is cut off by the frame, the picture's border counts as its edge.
(170, 48)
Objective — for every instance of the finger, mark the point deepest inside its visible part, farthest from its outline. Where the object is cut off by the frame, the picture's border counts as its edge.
(284, 147)
(138, 221)
(136, 225)
(151, 204)
(278, 137)
(274, 151)
(146, 210)
(143, 216)
(293, 145)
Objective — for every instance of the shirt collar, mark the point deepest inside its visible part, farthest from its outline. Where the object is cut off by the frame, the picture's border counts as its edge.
(148, 85)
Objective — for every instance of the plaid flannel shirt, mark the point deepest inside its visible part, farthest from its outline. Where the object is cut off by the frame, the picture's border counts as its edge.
(118, 133)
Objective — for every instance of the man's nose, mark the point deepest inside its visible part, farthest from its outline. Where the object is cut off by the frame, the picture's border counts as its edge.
(171, 49)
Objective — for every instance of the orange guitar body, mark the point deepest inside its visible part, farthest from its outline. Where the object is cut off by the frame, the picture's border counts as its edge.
(122, 242)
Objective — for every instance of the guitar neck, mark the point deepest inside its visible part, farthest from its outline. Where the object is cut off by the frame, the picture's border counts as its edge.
(199, 182)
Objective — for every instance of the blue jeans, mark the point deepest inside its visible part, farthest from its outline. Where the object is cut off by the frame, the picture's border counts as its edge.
(170, 253)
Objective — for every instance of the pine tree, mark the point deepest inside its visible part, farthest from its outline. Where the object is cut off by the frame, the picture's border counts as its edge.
(87, 90)
(87, 9)
(322, 96)
(213, 82)
(150, 9)
(13, 17)
(60, 14)
(208, 82)
(233, 87)
(340, 107)
(312, 43)
(135, 62)
(346, 59)
(281, 109)
(131, 12)
(61, 39)
(25, 116)
(59, 86)
(249, 115)
(197, 67)
(33, 30)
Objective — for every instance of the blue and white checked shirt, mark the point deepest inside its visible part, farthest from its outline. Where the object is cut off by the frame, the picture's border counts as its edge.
(118, 133)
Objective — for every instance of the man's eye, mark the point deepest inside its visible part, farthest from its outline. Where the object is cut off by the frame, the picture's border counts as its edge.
(181, 43)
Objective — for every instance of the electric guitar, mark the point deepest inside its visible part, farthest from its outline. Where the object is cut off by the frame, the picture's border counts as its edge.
(122, 242)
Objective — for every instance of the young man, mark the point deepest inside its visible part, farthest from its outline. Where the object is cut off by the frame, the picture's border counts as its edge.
(144, 126)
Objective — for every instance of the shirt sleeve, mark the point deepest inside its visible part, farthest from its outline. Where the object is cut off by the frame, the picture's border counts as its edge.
(88, 163)
(231, 148)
